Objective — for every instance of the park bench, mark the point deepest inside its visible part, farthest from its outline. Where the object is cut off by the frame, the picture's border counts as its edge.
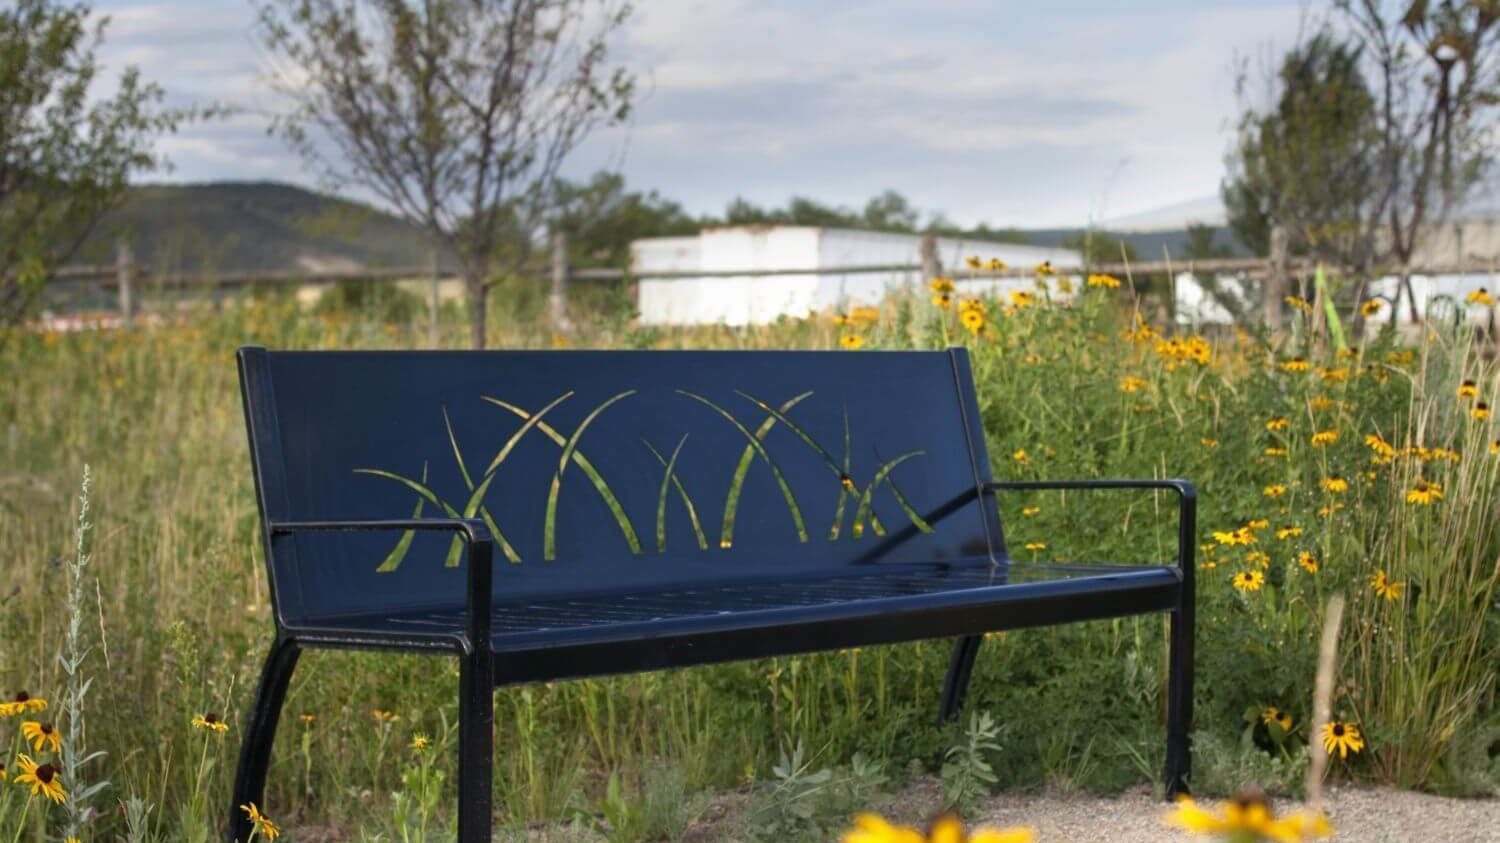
(542, 515)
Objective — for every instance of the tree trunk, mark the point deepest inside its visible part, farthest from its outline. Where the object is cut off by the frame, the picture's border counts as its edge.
(1411, 295)
(478, 292)
(1274, 288)
(557, 300)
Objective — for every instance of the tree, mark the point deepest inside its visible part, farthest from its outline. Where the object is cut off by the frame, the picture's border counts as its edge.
(1436, 71)
(66, 152)
(602, 218)
(455, 113)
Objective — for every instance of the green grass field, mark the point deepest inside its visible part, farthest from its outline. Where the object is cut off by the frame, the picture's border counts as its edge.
(1368, 472)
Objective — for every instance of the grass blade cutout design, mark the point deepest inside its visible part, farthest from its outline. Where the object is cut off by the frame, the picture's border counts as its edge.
(549, 525)
(862, 511)
(737, 482)
(584, 465)
(474, 503)
(668, 480)
(533, 421)
(844, 489)
(786, 489)
(398, 553)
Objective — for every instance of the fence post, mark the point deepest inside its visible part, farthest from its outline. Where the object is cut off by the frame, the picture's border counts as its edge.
(1275, 286)
(432, 303)
(124, 268)
(931, 266)
(557, 301)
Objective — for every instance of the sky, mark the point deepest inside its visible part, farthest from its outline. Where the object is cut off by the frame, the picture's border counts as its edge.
(1026, 114)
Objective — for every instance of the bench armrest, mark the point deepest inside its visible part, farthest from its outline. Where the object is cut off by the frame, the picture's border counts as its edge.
(1187, 507)
(472, 531)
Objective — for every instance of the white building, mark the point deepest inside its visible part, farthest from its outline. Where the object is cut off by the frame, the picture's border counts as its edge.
(787, 249)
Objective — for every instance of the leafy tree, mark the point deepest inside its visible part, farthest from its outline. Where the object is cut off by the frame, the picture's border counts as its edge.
(455, 113)
(601, 219)
(66, 155)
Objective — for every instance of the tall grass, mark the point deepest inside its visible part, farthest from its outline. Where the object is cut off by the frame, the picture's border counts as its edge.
(182, 615)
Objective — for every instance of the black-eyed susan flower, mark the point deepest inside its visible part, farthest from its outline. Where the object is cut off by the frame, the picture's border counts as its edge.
(1424, 493)
(1320, 403)
(1298, 303)
(1035, 546)
(943, 300)
(941, 285)
(851, 341)
(1031, 511)
(870, 828)
(1330, 509)
(1324, 438)
(1308, 562)
(1272, 714)
(1295, 364)
(1468, 389)
(973, 320)
(1342, 738)
(3, 774)
(261, 824)
(1257, 523)
(1022, 298)
(1209, 442)
(1045, 268)
(1370, 307)
(1019, 456)
(1259, 558)
(1384, 586)
(210, 723)
(383, 716)
(1101, 280)
(1131, 383)
(1288, 531)
(1481, 297)
(973, 262)
(1383, 450)
(1275, 490)
(43, 778)
(41, 736)
(1275, 451)
(1232, 538)
(995, 265)
(1480, 412)
(1276, 424)
(1248, 817)
(1334, 485)
(22, 703)
(307, 719)
(1248, 580)
(1334, 375)
(1495, 446)
(419, 742)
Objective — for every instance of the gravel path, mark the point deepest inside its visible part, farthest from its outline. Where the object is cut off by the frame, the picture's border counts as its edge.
(1359, 816)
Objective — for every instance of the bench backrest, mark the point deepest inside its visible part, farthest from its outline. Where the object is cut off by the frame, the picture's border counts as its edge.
(610, 470)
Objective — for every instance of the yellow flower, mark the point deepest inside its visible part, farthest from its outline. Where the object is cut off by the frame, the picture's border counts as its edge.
(307, 719)
(1257, 523)
(1248, 817)
(941, 285)
(383, 716)
(1276, 451)
(1383, 449)
(1031, 511)
(1384, 586)
(1481, 411)
(211, 723)
(1249, 580)
(1276, 424)
(43, 778)
(1425, 493)
(419, 742)
(869, 828)
(1308, 562)
(1324, 437)
(1328, 510)
(1275, 490)
(1022, 298)
(1468, 389)
(1334, 485)
(1298, 303)
(3, 774)
(1495, 447)
(1242, 536)
(1288, 532)
(1370, 307)
(851, 341)
(995, 265)
(1258, 557)
(1272, 714)
(1035, 546)
(1045, 268)
(943, 300)
(262, 823)
(1099, 279)
(41, 735)
(1480, 296)
(1342, 738)
(22, 704)
(1296, 364)
(1334, 375)
(973, 262)
(1019, 455)
(973, 320)
(1131, 383)
(1322, 402)
(1209, 442)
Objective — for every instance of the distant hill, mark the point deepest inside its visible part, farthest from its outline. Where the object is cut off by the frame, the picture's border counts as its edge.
(252, 226)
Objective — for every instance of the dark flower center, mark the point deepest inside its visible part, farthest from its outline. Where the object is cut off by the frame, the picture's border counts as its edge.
(22, 696)
(1338, 730)
(846, 481)
(45, 774)
(46, 728)
(1251, 796)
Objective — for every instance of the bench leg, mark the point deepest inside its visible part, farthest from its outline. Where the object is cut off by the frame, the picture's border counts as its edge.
(260, 732)
(1180, 700)
(476, 743)
(960, 670)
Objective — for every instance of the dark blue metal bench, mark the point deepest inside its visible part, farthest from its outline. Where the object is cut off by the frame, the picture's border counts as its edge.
(543, 515)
